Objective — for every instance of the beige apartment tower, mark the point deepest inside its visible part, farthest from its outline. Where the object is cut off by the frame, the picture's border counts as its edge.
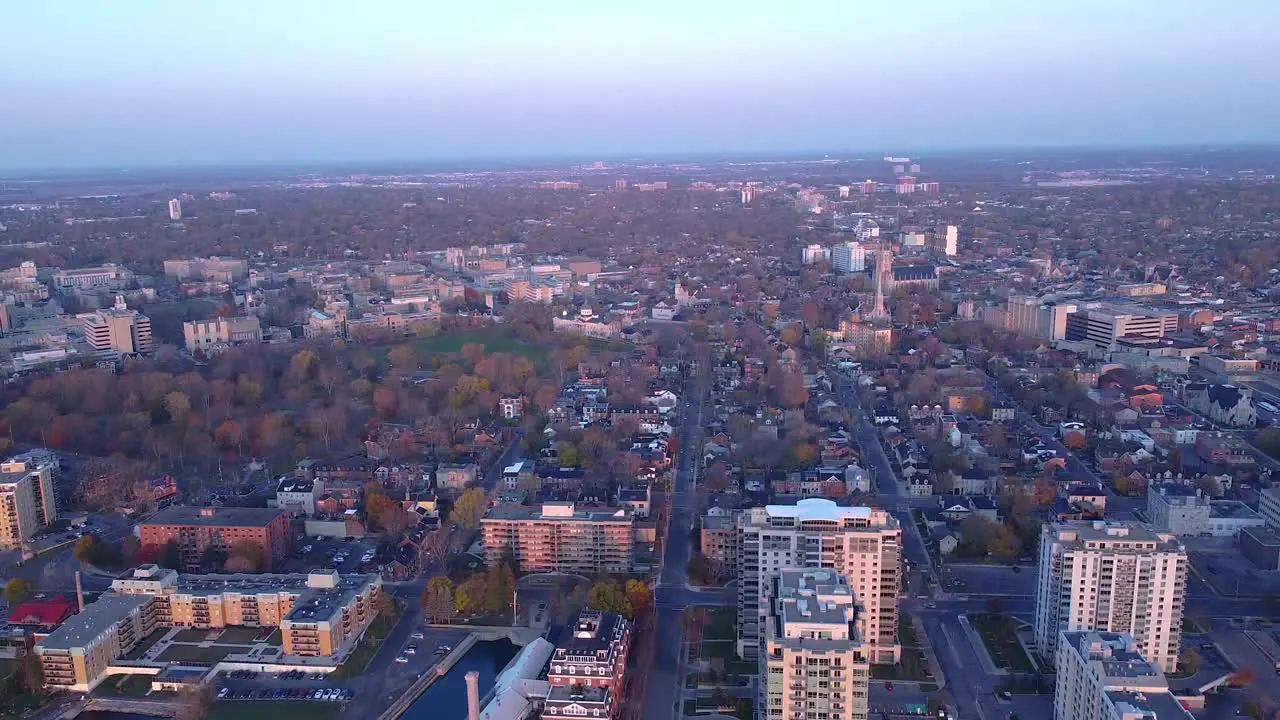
(1103, 676)
(813, 663)
(27, 501)
(863, 544)
(1112, 577)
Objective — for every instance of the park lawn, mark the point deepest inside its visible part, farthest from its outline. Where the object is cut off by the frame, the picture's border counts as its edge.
(196, 654)
(720, 625)
(1000, 634)
(268, 710)
(124, 686)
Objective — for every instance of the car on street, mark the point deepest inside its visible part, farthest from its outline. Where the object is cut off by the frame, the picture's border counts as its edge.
(888, 686)
(402, 658)
(418, 635)
(411, 650)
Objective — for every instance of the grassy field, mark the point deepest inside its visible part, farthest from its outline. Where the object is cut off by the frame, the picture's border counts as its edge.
(999, 634)
(193, 653)
(269, 710)
(124, 686)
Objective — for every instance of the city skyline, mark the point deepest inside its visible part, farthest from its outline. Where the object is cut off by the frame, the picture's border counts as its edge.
(149, 85)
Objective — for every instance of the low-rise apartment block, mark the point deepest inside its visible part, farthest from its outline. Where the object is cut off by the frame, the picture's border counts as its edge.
(560, 537)
(199, 529)
(221, 332)
(319, 615)
(1103, 676)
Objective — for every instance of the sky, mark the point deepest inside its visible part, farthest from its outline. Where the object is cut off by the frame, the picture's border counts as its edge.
(131, 83)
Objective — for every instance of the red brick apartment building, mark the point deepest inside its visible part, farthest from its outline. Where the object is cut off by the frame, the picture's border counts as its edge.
(198, 529)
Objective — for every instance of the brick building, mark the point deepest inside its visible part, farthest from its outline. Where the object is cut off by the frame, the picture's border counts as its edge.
(199, 529)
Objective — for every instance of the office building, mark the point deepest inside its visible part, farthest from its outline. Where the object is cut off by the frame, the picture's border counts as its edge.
(1112, 577)
(1102, 324)
(197, 530)
(118, 330)
(320, 614)
(1104, 676)
(27, 500)
(175, 209)
(813, 663)
(849, 257)
(211, 269)
(1037, 317)
(221, 332)
(1184, 510)
(863, 544)
(1269, 506)
(105, 277)
(560, 537)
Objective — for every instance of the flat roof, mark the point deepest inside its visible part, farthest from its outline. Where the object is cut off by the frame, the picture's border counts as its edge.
(220, 517)
(577, 514)
(818, 509)
(96, 618)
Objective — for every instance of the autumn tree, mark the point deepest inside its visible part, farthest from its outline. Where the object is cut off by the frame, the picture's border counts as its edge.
(16, 591)
(251, 553)
(607, 596)
(469, 508)
(470, 595)
(438, 600)
(639, 597)
(500, 587)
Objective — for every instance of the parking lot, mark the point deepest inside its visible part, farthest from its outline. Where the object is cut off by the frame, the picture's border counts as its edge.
(991, 579)
(291, 685)
(345, 556)
(1232, 574)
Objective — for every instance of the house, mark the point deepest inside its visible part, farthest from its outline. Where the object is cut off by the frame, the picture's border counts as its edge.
(1137, 392)
(664, 400)
(1227, 405)
(456, 477)
(638, 500)
(511, 408)
(1223, 449)
(947, 541)
(1004, 412)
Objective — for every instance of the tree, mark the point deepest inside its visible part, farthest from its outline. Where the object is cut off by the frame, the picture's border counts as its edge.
(251, 552)
(1241, 678)
(438, 600)
(194, 703)
(607, 596)
(16, 591)
(469, 597)
(639, 597)
(1189, 661)
(975, 535)
(83, 550)
(1046, 492)
(1004, 543)
(31, 673)
(170, 556)
(500, 587)
(213, 558)
(469, 508)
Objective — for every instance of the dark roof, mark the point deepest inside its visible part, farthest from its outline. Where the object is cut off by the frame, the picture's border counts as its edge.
(1225, 396)
(215, 517)
(907, 273)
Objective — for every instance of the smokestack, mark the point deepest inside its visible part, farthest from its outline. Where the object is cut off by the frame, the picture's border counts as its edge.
(473, 695)
(79, 592)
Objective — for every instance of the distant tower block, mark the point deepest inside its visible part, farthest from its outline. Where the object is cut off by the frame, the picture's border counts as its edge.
(473, 695)
(175, 209)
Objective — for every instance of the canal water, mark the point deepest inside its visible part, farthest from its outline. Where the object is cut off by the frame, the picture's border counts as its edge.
(446, 699)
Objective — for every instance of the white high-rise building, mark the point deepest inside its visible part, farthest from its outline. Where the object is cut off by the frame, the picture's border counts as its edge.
(1112, 577)
(951, 240)
(27, 500)
(175, 209)
(813, 663)
(863, 544)
(849, 257)
(813, 254)
(1103, 676)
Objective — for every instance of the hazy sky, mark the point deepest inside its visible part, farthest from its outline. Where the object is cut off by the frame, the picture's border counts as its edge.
(132, 82)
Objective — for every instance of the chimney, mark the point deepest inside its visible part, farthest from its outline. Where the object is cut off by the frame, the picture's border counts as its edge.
(79, 592)
(473, 695)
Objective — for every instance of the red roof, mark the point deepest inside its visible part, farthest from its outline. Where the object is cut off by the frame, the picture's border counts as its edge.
(42, 612)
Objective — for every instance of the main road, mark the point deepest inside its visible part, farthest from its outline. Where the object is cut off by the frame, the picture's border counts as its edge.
(672, 594)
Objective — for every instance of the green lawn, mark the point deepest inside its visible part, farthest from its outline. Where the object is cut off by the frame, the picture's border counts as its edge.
(196, 654)
(999, 634)
(124, 686)
(720, 624)
(268, 710)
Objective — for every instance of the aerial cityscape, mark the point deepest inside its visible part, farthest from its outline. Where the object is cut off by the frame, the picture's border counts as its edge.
(681, 421)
